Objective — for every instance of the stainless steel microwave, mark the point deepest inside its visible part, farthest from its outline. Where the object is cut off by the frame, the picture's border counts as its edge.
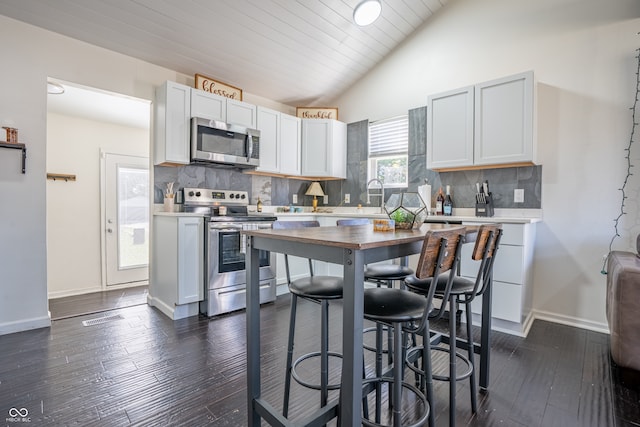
(224, 144)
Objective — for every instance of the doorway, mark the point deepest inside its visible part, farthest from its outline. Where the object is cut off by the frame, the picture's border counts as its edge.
(83, 124)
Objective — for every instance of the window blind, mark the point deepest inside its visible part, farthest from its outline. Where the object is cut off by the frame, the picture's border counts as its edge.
(389, 137)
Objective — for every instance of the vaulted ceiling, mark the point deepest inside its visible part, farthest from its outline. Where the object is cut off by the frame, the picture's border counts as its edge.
(297, 52)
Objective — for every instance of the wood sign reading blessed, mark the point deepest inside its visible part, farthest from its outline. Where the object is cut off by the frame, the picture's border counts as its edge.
(210, 85)
(317, 113)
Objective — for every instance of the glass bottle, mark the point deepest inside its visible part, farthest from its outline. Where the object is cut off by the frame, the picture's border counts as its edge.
(447, 206)
(440, 203)
(259, 205)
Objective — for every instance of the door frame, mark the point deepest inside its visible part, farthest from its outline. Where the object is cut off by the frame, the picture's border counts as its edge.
(103, 219)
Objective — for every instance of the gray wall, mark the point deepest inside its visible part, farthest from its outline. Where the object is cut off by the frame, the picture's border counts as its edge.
(279, 191)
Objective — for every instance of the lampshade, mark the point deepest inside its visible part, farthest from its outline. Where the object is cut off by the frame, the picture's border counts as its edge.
(314, 189)
(366, 12)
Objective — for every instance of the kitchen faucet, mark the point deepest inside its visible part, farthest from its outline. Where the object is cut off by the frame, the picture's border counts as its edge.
(381, 195)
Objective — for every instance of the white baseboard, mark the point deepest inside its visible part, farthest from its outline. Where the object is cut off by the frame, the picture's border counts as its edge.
(25, 324)
(177, 312)
(571, 321)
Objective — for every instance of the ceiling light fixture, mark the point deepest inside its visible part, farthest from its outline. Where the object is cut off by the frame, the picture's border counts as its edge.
(366, 12)
(54, 88)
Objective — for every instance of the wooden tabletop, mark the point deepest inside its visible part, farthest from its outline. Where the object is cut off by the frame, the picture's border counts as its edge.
(355, 237)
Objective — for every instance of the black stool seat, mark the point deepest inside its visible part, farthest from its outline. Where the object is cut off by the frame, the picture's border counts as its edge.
(387, 272)
(317, 287)
(389, 306)
(460, 285)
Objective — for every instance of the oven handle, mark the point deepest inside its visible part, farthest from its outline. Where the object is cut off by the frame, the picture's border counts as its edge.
(225, 227)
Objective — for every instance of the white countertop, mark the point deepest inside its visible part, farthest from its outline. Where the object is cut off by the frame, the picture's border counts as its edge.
(512, 216)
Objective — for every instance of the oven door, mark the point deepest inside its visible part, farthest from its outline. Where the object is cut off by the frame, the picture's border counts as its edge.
(226, 257)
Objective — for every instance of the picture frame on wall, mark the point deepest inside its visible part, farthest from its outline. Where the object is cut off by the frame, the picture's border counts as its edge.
(317, 113)
(216, 87)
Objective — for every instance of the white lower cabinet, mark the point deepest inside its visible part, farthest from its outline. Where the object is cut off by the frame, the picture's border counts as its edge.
(512, 278)
(177, 265)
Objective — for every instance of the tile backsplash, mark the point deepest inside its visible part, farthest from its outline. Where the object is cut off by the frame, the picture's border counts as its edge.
(276, 191)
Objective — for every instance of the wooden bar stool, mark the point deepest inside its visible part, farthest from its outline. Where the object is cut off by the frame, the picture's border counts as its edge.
(409, 312)
(462, 291)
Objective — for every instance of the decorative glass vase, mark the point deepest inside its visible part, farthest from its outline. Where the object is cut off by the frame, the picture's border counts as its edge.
(407, 209)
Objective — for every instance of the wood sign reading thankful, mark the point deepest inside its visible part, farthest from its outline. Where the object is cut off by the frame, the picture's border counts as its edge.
(317, 113)
(210, 85)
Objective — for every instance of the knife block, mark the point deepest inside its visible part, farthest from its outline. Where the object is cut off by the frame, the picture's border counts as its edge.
(486, 208)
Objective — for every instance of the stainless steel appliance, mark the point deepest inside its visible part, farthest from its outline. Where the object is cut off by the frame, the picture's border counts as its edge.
(225, 276)
(224, 144)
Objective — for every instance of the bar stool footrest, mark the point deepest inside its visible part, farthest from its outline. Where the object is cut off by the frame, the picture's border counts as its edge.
(412, 356)
(406, 385)
(305, 383)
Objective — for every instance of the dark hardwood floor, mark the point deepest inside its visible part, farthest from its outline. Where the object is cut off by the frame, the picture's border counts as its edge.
(144, 369)
(97, 302)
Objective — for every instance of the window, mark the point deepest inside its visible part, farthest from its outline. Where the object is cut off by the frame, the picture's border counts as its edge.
(388, 146)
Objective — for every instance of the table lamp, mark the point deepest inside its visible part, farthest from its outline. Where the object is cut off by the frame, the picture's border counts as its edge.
(314, 190)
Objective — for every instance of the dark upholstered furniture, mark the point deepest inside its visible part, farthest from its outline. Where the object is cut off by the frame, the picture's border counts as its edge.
(623, 308)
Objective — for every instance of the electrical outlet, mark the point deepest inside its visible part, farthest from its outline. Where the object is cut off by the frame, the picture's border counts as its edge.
(325, 199)
(518, 195)
(295, 199)
(347, 198)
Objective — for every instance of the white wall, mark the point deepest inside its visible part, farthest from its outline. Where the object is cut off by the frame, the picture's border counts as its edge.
(28, 56)
(73, 208)
(583, 55)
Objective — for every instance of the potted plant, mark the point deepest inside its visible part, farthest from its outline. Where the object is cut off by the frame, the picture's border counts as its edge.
(403, 219)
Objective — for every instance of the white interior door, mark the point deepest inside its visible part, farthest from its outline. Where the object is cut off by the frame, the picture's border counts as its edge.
(126, 219)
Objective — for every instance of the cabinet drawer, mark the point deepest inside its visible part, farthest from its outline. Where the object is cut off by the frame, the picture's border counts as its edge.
(508, 267)
(512, 234)
(507, 302)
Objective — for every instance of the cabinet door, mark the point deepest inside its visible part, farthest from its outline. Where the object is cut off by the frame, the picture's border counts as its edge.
(190, 260)
(269, 127)
(504, 120)
(316, 137)
(450, 129)
(208, 105)
(338, 150)
(172, 124)
(241, 113)
(290, 144)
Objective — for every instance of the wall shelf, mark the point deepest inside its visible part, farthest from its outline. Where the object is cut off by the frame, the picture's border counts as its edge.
(17, 146)
(61, 176)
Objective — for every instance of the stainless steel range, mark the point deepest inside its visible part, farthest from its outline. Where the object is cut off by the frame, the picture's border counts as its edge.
(225, 276)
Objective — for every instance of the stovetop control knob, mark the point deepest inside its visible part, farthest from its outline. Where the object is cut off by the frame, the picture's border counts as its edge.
(190, 193)
(243, 196)
(237, 195)
(231, 196)
(197, 194)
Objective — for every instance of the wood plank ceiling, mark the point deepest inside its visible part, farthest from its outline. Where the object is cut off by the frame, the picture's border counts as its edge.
(297, 52)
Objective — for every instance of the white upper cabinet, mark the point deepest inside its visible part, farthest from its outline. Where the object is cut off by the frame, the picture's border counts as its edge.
(208, 105)
(450, 129)
(279, 142)
(290, 144)
(504, 121)
(241, 113)
(324, 148)
(172, 124)
(487, 124)
(269, 127)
